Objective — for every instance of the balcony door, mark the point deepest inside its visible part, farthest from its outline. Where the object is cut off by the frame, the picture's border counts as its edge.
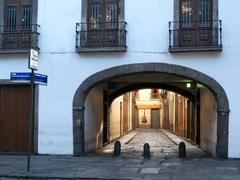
(103, 23)
(17, 24)
(195, 23)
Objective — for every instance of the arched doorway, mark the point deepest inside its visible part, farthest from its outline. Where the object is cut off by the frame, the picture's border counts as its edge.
(149, 73)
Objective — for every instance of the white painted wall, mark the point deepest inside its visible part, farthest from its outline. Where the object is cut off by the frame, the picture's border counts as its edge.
(208, 121)
(144, 95)
(114, 121)
(94, 121)
(114, 117)
(147, 41)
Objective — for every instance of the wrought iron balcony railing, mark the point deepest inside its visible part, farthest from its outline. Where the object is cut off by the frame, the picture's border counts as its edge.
(19, 37)
(195, 36)
(101, 35)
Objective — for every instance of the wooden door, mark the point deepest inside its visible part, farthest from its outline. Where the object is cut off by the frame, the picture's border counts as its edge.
(17, 24)
(193, 122)
(181, 116)
(195, 23)
(198, 118)
(155, 118)
(102, 23)
(176, 113)
(189, 113)
(121, 119)
(125, 114)
(105, 117)
(14, 115)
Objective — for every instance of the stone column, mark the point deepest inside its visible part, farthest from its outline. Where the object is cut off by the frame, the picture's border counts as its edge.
(78, 131)
(222, 133)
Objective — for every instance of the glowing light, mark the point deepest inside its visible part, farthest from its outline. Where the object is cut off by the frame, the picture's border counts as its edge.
(186, 9)
(189, 85)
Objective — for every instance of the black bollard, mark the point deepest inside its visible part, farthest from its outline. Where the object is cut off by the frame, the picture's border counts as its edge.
(117, 148)
(182, 150)
(146, 150)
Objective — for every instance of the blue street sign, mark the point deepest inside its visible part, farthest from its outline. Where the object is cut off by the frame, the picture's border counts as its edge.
(25, 78)
(20, 76)
(40, 79)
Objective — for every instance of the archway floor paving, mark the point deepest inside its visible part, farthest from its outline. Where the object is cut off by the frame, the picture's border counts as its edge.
(163, 144)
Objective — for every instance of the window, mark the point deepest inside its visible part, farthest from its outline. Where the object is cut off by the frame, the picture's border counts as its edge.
(103, 15)
(18, 30)
(11, 17)
(195, 26)
(102, 26)
(17, 15)
(102, 23)
(195, 15)
(155, 94)
(26, 16)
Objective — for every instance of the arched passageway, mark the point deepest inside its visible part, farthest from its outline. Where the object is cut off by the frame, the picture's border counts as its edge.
(107, 84)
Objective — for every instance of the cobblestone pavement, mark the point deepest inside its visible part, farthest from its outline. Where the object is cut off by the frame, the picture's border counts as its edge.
(162, 143)
(154, 137)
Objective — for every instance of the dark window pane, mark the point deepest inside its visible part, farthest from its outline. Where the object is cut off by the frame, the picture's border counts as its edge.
(26, 17)
(204, 13)
(187, 14)
(111, 15)
(11, 17)
(94, 15)
(103, 14)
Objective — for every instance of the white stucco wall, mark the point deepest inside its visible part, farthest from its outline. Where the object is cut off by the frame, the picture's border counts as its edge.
(147, 41)
(114, 120)
(144, 95)
(94, 121)
(208, 121)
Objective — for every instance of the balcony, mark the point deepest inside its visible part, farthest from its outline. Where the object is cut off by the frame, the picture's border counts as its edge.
(195, 36)
(18, 39)
(101, 37)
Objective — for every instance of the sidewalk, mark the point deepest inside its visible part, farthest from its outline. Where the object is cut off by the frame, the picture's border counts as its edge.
(99, 167)
(164, 163)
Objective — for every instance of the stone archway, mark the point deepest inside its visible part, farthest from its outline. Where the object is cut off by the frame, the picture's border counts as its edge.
(161, 68)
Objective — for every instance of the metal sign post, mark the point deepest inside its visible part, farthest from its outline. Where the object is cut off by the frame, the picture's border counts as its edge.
(33, 78)
(31, 114)
(33, 65)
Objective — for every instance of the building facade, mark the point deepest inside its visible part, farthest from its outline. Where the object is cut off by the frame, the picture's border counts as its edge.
(94, 51)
